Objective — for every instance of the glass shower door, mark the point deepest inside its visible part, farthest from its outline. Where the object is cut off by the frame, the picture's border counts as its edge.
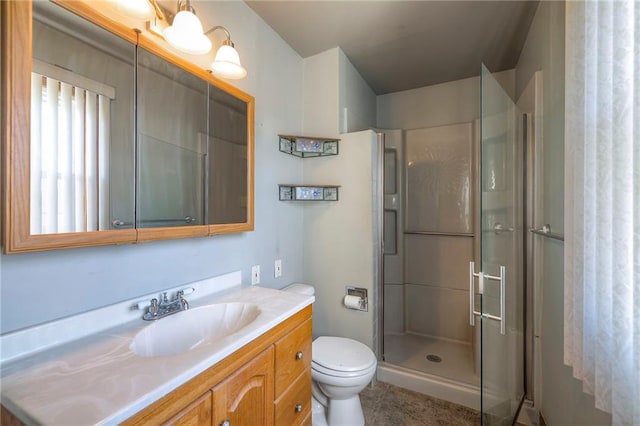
(500, 282)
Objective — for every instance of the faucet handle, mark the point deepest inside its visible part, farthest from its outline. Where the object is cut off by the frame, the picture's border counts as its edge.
(153, 308)
(186, 290)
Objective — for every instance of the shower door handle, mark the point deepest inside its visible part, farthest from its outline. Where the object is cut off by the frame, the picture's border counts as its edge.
(481, 284)
(499, 228)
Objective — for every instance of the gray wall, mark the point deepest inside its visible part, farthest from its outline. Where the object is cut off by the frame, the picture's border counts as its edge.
(40, 287)
(438, 105)
(356, 100)
(563, 402)
(339, 239)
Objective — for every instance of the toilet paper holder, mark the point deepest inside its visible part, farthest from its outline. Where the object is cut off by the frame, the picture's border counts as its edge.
(360, 293)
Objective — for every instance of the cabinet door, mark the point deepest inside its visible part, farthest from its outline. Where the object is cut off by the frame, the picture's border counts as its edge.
(198, 413)
(246, 397)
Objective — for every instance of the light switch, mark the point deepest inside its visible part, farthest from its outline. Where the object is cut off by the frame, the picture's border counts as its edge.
(277, 269)
(255, 274)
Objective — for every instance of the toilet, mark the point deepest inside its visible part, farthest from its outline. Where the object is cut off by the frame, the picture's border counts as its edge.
(340, 369)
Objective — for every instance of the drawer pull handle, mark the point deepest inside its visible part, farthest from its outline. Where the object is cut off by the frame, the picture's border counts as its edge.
(299, 355)
(225, 423)
(298, 408)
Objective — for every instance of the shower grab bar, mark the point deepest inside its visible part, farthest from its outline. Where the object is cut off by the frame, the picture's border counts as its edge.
(472, 295)
(440, 234)
(545, 231)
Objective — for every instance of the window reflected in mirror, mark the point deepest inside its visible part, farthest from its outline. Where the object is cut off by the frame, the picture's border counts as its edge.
(82, 139)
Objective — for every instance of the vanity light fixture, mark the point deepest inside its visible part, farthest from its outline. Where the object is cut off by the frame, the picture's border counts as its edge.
(185, 32)
(227, 61)
(136, 9)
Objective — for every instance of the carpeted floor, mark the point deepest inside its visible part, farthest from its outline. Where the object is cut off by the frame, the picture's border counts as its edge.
(385, 404)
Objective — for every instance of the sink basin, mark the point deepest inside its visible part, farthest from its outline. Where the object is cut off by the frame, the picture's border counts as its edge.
(190, 329)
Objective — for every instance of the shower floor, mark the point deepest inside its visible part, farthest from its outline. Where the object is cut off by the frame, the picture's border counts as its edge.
(411, 350)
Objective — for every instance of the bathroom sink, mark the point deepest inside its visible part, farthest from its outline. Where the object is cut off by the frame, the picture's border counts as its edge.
(192, 328)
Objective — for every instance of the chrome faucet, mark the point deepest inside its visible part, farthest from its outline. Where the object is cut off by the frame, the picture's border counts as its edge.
(164, 307)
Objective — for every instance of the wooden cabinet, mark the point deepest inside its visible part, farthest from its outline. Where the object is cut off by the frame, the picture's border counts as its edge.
(295, 404)
(198, 413)
(266, 382)
(246, 397)
(293, 376)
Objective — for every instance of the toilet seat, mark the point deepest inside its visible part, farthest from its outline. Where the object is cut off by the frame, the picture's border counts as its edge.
(341, 357)
(341, 374)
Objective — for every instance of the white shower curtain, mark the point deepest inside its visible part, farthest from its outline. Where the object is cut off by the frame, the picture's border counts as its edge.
(602, 203)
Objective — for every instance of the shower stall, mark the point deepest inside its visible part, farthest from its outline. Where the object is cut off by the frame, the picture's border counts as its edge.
(452, 317)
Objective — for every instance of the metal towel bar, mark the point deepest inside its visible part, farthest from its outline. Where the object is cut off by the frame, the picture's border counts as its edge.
(545, 231)
(120, 224)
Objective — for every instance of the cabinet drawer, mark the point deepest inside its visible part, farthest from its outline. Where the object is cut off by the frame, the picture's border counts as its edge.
(293, 356)
(294, 405)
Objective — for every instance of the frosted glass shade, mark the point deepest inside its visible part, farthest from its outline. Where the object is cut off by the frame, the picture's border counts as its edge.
(137, 9)
(227, 63)
(185, 34)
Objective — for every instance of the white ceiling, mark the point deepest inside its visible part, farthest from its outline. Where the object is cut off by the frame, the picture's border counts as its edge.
(400, 45)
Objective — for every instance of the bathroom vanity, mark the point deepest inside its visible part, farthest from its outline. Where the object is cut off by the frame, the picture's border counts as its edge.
(259, 374)
(268, 381)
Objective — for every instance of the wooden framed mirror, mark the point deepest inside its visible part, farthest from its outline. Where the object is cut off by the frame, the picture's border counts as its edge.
(109, 138)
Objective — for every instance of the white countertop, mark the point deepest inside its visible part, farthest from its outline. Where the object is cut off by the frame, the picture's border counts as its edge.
(97, 379)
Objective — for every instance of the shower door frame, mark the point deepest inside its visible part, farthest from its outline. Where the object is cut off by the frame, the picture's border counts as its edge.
(501, 277)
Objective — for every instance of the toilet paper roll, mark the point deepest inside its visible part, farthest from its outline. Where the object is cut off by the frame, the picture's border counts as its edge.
(353, 302)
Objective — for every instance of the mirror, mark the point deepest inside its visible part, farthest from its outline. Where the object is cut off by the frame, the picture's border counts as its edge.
(172, 145)
(110, 139)
(227, 181)
(82, 134)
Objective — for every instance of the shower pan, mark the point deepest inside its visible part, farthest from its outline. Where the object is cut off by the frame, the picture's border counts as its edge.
(452, 321)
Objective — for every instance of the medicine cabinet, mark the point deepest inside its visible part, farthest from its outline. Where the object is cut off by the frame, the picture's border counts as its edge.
(109, 138)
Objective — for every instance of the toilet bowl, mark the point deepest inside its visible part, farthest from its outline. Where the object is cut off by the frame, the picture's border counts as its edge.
(340, 369)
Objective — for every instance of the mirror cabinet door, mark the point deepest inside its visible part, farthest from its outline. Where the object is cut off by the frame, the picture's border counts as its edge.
(227, 189)
(67, 127)
(172, 144)
(82, 134)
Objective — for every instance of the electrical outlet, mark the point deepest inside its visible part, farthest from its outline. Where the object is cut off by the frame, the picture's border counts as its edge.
(277, 269)
(255, 274)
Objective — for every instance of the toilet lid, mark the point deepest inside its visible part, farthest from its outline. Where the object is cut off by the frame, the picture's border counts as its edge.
(342, 354)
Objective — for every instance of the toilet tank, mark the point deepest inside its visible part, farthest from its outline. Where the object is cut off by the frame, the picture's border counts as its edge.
(300, 289)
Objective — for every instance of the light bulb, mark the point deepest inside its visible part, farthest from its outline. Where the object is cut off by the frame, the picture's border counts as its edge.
(185, 34)
(227, 63)
(137, 9)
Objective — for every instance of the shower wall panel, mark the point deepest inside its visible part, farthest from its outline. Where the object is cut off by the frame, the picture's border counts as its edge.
(394, 310)
(439, 240)
(439, 177)
(439, 261)
(438, 312)
(437, 283)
